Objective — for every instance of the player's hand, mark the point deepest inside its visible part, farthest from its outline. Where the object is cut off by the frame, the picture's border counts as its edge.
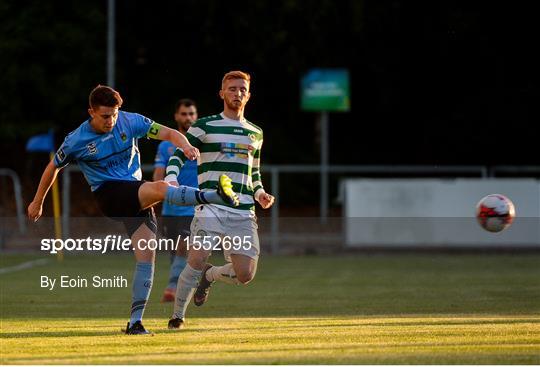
(266, 200)
(35, 210)
(191, 152)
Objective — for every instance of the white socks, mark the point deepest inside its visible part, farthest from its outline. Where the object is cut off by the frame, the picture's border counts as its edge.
(187, 283)
(223, 273)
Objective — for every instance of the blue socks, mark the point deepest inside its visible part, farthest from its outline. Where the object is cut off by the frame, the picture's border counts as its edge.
(179, 263)
(142, 285)
(189, 196)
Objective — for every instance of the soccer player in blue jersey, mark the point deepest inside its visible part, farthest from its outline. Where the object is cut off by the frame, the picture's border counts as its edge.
(177, 219)
(105, 147)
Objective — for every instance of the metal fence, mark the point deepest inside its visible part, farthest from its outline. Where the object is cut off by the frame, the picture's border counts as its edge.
(275, 172)
(18, 196)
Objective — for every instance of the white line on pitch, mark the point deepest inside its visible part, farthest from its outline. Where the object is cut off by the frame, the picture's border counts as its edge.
(22, 266)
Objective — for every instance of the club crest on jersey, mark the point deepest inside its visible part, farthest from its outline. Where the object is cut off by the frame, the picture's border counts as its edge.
(252, 137)
(92, 149)
(123, 136)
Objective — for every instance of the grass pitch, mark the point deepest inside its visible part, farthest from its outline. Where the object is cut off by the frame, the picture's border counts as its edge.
(389, 309)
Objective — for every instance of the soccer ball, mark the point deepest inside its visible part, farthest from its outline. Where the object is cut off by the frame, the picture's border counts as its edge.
(495, 212)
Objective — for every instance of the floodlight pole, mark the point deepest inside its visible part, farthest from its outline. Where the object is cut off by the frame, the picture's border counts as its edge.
(110, 42)
(324, 167)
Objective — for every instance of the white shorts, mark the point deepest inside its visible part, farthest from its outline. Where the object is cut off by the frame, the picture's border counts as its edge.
(214, 228)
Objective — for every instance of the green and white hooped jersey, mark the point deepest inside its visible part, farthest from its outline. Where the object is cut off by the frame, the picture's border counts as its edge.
(228, 147)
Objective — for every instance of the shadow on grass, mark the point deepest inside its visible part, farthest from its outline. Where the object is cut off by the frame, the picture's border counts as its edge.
(58, 334)
(279, 328)
(363, 350)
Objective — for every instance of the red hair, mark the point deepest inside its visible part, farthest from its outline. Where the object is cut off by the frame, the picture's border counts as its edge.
(236, 74)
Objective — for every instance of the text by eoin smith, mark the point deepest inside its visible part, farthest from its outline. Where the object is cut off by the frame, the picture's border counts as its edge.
(66, 281)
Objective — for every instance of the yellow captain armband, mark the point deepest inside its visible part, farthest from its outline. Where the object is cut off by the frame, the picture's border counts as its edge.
(154, 130)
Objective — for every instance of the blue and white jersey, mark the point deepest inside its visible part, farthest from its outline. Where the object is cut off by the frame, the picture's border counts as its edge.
(112, 156)
(187, 177)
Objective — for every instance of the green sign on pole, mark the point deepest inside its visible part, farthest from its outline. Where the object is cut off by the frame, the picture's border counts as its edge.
(326, 90)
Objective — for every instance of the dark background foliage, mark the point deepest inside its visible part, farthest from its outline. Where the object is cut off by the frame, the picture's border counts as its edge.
(437, 83)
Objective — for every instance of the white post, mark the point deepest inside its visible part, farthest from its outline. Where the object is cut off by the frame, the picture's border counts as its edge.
(110, 43)
(66, 200)
(324, 167)
(275, 211)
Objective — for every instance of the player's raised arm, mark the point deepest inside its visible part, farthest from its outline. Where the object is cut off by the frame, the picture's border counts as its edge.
(62, 158)
(47, 179)
(161, 132)
(195, 135)
(174, 166)
(256, 173)
(266, 200)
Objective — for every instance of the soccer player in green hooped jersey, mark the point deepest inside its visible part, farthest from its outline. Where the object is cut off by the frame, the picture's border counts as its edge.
(229, 145)
(105, 147)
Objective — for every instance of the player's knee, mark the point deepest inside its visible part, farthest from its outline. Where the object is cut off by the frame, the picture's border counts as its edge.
(197, 262)
(245, 277)
(152, 191)
(160, 188)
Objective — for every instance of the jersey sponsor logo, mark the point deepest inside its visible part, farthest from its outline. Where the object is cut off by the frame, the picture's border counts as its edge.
(120, 161)
(60, 155)
(92, 149)
(240, 131)
(239, 150)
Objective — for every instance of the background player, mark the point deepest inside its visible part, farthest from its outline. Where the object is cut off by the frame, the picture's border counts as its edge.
(105, 147)
(231, 145)
(177, 219)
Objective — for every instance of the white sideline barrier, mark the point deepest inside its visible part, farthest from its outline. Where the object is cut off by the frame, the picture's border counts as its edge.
(436, 212)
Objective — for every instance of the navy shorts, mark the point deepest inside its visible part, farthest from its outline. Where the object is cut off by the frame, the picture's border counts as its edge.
(119, 200)
(176, 226)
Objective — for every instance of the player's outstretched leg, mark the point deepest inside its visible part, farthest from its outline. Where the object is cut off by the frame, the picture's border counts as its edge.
(225, 191)
(151, 193)
(185, 195)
